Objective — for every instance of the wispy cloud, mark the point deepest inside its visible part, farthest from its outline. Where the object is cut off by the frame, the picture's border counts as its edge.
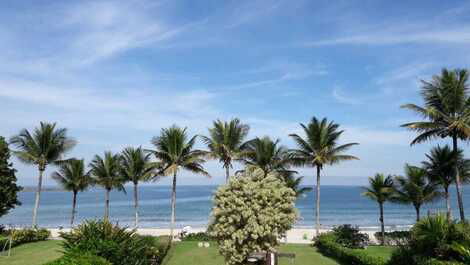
(338, 95)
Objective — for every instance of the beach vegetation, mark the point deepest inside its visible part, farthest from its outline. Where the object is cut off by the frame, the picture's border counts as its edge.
(446, 114)
(8, 188)
(250, 214)
(23, 236)
(225, 142)
(106, 172)
(136, 166)
(318, 148)
(175, 150)
(350, 236)
(415, 188)
(380, 190)
(78, 258)
(73, 176)
(46, 145)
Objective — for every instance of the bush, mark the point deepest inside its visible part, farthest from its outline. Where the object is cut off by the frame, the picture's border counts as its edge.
(26, 235)
(115, 244)
(201, 236)
(350, 237)
(80, 259)
(395, 238)
(327, 245)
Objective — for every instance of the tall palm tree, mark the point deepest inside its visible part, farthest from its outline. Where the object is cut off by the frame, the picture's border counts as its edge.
(446, 113)
(267, 155)
(106, 173)
(72, 176)
(320, 147)
(380, 190)
(225, 142)
(44, 146)
(415, 189)
(136, 166)
(440, 167)
(175, 150)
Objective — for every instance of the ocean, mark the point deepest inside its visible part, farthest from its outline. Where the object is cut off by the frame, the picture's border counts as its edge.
(339, 205)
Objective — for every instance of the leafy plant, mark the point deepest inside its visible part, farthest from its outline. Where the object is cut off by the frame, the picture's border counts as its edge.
(201, 236)
(395, 238)
(79, 259)
(350, 237)
(8, 187)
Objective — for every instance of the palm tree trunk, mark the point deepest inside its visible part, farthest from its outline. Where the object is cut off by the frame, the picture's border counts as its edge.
(382, 224)
(38, 197)
(136, 205)
(317, 210)
(457, 180)
(74, 203)
(106, 207)
(449, 209)
(417, 208)
(173, 206)
(227, 174)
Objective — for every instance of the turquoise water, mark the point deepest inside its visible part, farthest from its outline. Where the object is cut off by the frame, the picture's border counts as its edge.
(339, 205)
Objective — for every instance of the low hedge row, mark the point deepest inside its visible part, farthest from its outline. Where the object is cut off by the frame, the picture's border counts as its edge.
(80, 259)
(22, 236)
(395, 238)
(326, 245)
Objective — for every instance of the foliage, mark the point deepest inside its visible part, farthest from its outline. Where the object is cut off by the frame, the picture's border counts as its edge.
(22, 236)
(8, 187)
(225, 142)
(250, 214)
(72, 175)
(395, 238)
(106, 171)
(111, 242)
(201, 236)
(350, 237)
(136, 165)
(79, 259)
(415, 188)
(327, 245)
(295, 183)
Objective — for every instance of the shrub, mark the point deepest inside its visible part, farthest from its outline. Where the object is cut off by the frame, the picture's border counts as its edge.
(350, 237)
(80, 259)
(115, 244)
(250, 214)
(201, 236)
(327, 245)
(395, 238)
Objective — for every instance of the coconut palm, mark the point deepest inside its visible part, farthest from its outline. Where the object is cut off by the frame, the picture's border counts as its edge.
(320, 147)
(380, 190)
(415, 188)
(72, 176)
(44, 146)
(295, 183)
(446, 113)
(266, 155)
(175, 150)
(225, 142)
(106, 173)
(440, 167)
(136, 167)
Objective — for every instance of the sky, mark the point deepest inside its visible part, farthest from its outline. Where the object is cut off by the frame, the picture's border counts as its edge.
(115, 72)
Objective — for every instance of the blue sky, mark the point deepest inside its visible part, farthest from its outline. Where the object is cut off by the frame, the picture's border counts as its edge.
(116, 72)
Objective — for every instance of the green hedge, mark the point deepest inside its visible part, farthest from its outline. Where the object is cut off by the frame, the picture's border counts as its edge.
(80, 259)
(438, 262)
(22, 236)
(328, 247)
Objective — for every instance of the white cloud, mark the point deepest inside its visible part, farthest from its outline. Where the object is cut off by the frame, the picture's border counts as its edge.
(339, 96)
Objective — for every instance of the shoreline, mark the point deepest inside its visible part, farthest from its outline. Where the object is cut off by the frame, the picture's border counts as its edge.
(295, 235)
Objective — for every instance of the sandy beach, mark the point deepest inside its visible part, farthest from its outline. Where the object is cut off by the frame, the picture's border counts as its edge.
(296, 235)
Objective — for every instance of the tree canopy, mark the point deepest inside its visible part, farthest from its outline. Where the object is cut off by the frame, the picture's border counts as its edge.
(8, 187)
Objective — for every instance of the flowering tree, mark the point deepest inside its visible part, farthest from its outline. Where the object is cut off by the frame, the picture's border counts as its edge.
(250, 214)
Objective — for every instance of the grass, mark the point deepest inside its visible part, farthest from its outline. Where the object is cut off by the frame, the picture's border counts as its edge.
(36, 253)
(189, 253)
(380, 251)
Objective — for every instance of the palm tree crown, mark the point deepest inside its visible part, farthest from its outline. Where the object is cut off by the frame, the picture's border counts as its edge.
(46, 145)
(225, 142)
(266, 154)
(415, 188)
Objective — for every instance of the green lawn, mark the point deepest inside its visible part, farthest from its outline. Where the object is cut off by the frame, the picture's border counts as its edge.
(189, 253)
(380, 251)
(33, 253)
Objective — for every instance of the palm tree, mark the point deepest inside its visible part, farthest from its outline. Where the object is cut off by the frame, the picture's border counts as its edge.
(135, 167)
(106, 173)
(319, 148)
(446, 113)
(266, 154)
(294, 183)
(46, 145)
(440, 168)
(380, 190)
(176, 152)
(72, 176)
(225, 142)
(415, 188)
